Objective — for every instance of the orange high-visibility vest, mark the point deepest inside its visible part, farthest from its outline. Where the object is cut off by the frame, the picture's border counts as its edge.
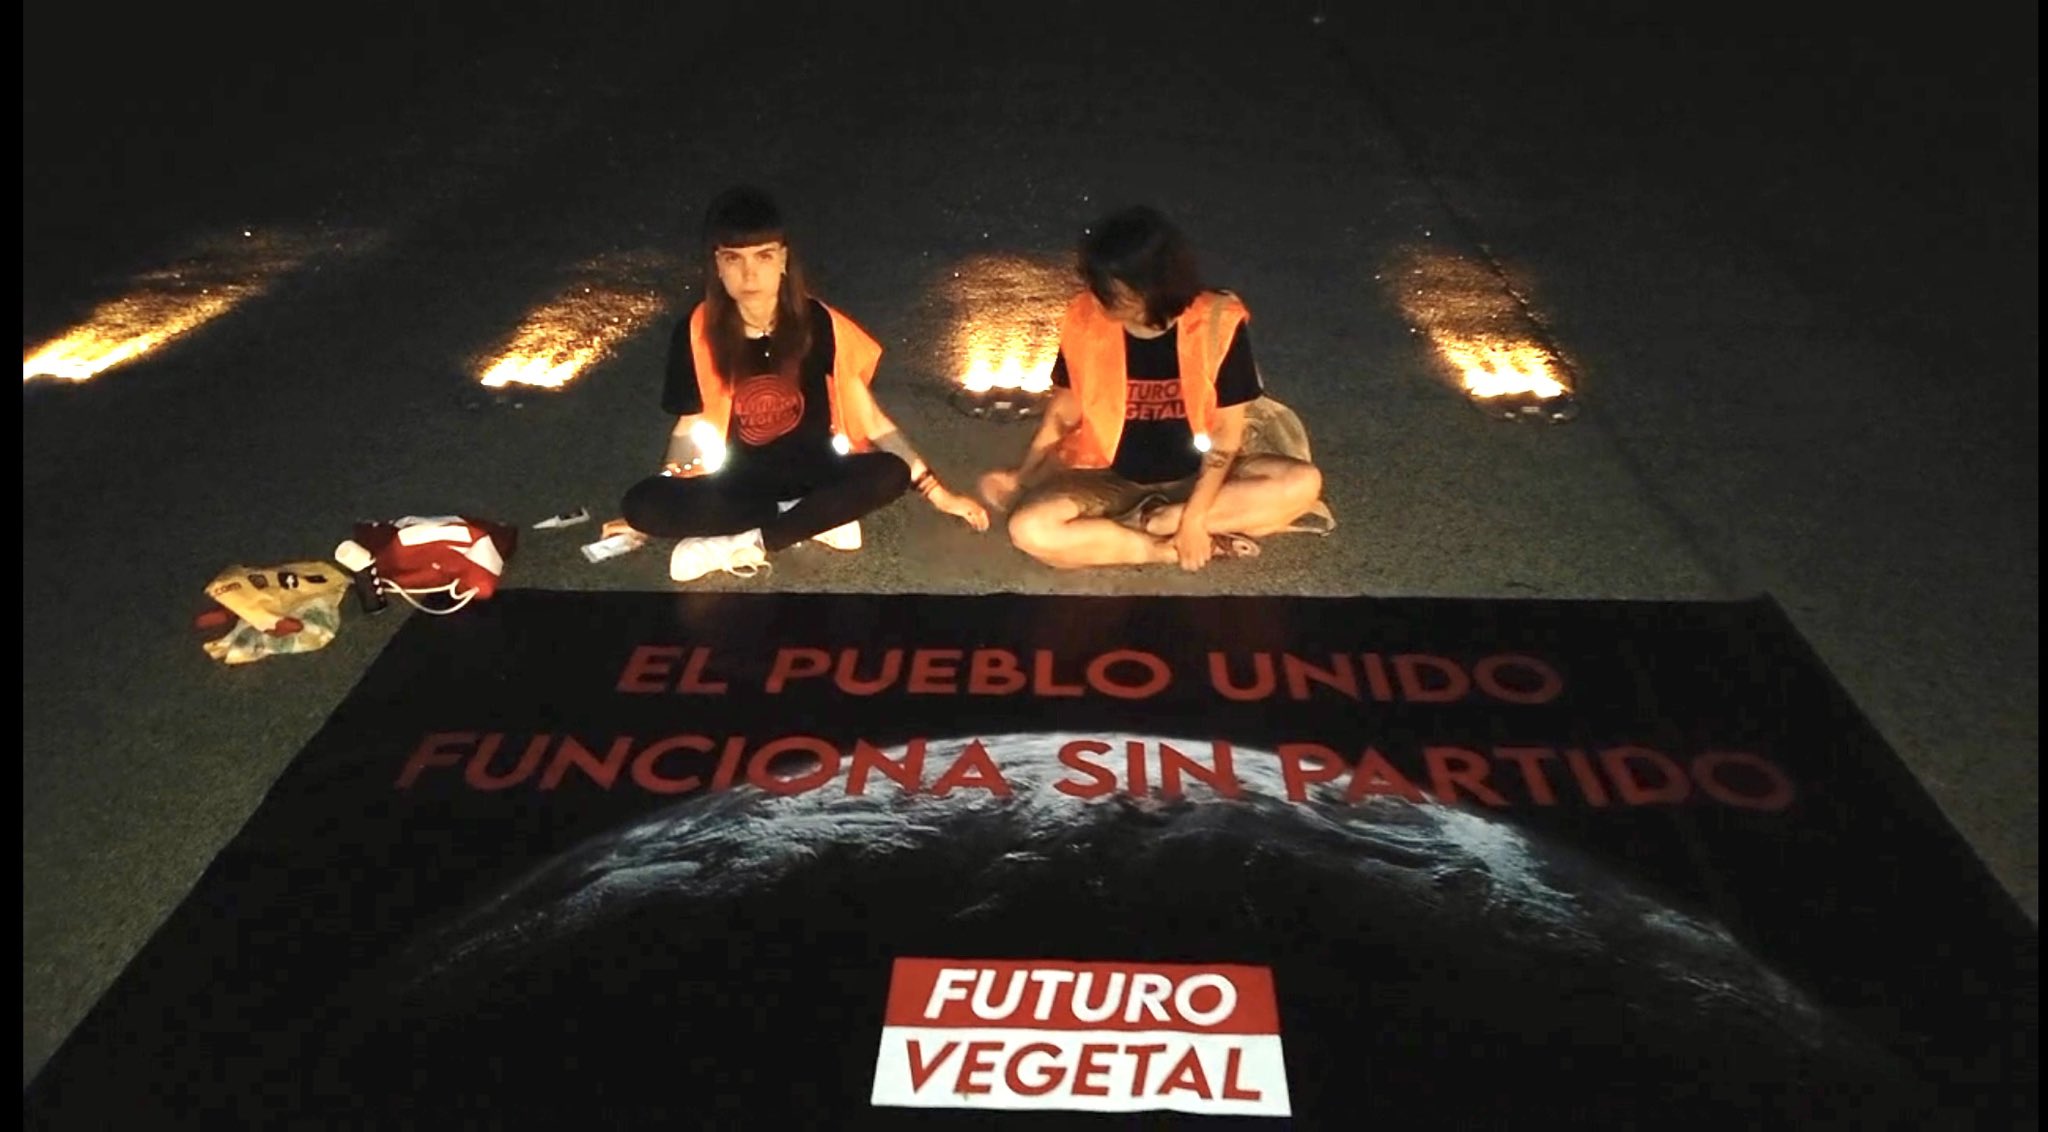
(854, 357)
(1093, 344)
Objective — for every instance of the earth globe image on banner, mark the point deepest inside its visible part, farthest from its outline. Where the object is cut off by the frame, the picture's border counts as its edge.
(1435, 966)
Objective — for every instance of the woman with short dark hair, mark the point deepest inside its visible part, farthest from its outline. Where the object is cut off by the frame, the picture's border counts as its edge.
(778, 438)
(1139, 457)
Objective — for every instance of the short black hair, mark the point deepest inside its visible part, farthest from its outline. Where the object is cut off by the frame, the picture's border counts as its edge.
(1141, 249)
(741, 217)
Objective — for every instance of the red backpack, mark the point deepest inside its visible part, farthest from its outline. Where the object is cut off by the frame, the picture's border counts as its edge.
(437, 564)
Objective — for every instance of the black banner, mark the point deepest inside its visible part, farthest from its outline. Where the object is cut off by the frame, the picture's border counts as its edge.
(726, 860)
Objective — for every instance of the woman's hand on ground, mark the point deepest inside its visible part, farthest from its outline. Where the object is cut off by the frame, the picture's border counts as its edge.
(960, 507)
(999, 488)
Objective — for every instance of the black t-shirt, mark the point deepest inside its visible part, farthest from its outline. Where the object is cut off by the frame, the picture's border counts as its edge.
(774, 420)
(1157, 444)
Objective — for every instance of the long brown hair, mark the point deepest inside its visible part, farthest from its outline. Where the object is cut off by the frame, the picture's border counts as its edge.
(743, 217)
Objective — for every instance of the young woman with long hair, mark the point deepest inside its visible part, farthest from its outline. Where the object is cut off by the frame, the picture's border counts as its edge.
(777, 437)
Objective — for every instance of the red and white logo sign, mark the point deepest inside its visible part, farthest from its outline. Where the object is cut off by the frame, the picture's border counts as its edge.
(1106, 1037)
(766, 406)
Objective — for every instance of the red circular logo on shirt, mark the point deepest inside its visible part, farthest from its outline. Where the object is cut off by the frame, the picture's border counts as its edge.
(766, 407)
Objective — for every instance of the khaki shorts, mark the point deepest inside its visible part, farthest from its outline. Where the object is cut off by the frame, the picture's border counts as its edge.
(1102, 494)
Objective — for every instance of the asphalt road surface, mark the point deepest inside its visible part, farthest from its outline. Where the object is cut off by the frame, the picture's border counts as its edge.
(1789, 264)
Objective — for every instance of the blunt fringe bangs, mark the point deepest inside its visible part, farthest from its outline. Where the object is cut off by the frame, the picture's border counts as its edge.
(742, 217)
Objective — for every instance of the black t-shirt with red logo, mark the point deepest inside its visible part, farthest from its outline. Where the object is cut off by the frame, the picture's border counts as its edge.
(1157, 445)
(775, 421)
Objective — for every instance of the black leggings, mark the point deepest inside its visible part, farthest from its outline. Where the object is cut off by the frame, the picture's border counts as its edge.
(830, 494)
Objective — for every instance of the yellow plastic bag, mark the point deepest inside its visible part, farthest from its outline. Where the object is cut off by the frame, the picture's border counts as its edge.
(290, 608)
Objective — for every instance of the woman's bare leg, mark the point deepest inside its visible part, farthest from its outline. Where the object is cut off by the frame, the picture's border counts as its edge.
(1052, 530)
(1264, 494)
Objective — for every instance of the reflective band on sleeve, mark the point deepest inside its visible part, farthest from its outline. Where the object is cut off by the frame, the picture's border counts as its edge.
(710, 445)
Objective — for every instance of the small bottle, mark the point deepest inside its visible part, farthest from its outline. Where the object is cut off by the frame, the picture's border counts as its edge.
(367, 593)
(362, 565)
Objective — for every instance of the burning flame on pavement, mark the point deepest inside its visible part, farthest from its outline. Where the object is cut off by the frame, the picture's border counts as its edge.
(565, 337)
(1006, 321)
(557, 342)
(167, 304)
(1497, 369)
(128, 327)
(1013, 371)
(1477, 327)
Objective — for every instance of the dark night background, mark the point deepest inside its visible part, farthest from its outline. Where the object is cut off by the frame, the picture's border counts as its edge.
(1790, 253)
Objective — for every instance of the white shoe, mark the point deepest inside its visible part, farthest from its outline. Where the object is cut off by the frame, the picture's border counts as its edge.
(845, 536)
(740, 555)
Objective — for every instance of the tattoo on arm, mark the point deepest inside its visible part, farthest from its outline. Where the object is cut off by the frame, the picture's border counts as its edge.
(1219, 458)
